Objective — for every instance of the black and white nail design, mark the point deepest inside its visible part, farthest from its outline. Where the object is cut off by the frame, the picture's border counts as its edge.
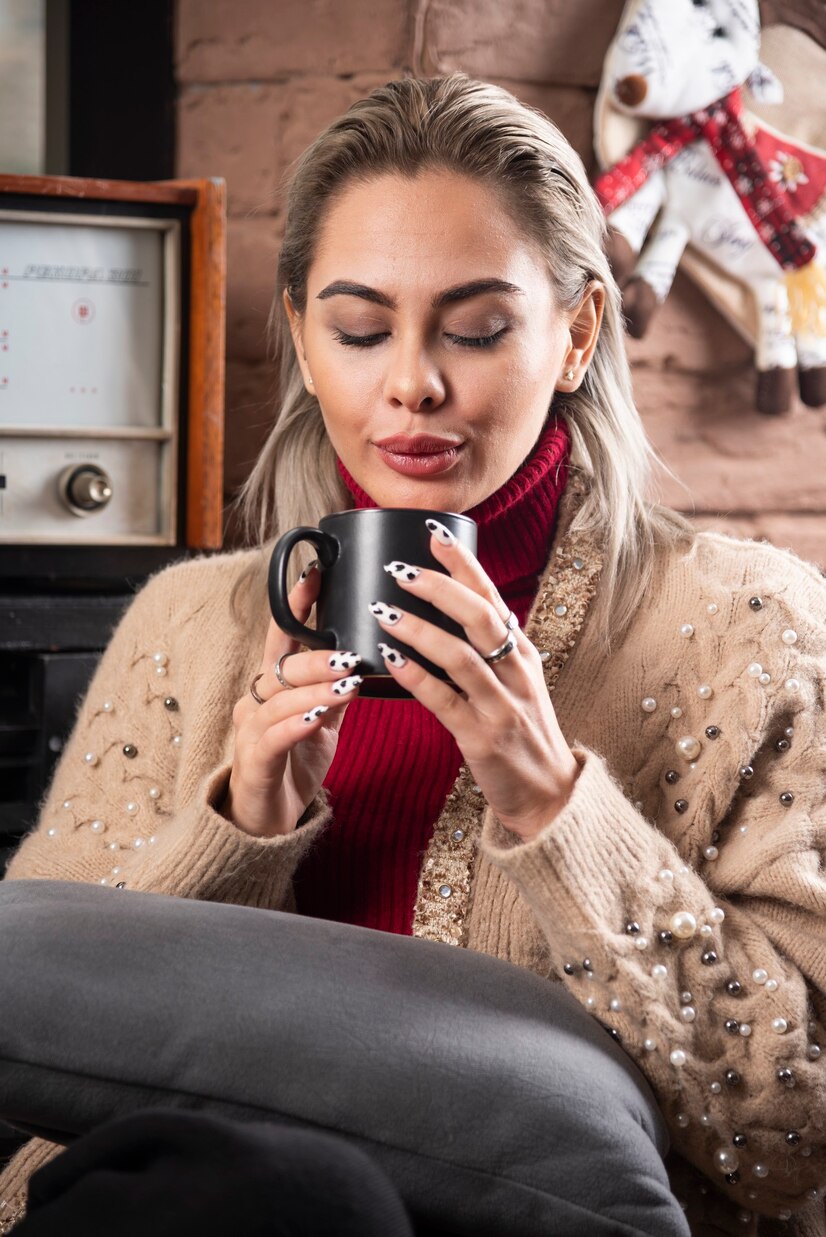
(386, 613)
(346, 685)
(402, 571)
(344, 661)
(441, 533)
(315, 713)
(309, 568)
(392, 655)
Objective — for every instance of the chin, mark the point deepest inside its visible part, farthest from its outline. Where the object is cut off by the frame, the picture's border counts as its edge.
(422, 496)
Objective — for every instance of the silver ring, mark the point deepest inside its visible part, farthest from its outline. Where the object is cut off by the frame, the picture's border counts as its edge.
(511, 622)
(278, 673)
(502, 651)
(258, 699)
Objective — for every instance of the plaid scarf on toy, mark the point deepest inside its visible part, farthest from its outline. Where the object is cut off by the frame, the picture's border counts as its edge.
(721, 126)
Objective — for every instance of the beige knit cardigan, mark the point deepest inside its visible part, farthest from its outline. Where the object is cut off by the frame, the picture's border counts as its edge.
(686, 867)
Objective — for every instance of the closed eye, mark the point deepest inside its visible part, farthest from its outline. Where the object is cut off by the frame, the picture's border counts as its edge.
(359, 341)
(465, 341)
(478, 341)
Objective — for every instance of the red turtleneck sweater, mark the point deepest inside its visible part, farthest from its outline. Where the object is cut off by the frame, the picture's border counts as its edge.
(396, 763)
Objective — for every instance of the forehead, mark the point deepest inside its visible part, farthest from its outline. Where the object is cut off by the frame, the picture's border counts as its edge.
(435, 227)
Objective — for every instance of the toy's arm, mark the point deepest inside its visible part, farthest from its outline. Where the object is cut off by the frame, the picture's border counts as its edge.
(634, 218)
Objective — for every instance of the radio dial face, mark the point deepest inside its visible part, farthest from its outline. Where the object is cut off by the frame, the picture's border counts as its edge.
(84, 488)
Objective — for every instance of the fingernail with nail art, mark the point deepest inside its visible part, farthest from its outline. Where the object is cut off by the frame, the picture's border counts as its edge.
(315, 713)
(440, 532)
(344, 660)
(386, 613)
(402, 571)
(392, 655)
(346, 685)
(309, 568)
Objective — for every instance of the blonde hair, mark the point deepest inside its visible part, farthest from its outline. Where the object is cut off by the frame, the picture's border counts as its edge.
(482, 131)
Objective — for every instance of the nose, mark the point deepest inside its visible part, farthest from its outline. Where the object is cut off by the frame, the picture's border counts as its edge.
(631, 90)
(413, 380)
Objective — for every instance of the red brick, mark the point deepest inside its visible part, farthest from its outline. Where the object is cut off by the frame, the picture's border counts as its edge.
(732, 459)
(306, 105)
(524, 40)
(251, 133)
(805, 535)
(250, 402)
(231, 131)
(687, 333)
(252, 256)
(249, 40)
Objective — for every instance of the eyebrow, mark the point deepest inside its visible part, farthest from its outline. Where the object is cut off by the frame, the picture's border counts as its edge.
(461, 292)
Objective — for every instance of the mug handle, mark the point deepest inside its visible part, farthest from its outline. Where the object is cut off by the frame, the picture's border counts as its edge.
(327, 548)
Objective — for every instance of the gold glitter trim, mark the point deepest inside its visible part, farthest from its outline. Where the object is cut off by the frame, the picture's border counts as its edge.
(569, 586)
(449, 861)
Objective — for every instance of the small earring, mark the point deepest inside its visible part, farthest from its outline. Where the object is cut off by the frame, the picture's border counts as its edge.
(568, 375)
(310, 382)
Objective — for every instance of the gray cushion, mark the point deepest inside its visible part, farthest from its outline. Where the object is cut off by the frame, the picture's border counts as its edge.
(493, 1101)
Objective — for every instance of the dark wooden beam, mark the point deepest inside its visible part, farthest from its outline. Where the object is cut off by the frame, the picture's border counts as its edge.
(121, 90)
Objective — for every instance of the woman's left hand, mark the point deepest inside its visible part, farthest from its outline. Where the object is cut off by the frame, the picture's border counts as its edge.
(502, 717)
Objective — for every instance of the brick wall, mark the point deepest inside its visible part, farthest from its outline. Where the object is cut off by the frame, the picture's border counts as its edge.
(258, 80)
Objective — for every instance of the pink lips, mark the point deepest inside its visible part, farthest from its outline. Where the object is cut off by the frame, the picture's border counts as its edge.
(424, 462)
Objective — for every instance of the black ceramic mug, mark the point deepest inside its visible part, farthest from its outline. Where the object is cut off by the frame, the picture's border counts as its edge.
(352, 548)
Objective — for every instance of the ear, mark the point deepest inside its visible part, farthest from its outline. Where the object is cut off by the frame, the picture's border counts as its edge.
(584, 328)
(765, 86)
(296, 324)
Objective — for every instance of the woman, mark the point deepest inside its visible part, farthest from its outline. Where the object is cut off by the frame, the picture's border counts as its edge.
(630, 800)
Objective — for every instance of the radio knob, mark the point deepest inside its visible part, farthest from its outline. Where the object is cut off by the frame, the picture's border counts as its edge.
(85, 488)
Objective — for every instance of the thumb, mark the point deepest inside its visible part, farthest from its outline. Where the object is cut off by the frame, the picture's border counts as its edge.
(301, 599)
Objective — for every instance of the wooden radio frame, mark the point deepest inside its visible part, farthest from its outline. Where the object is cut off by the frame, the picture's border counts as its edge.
(205, 200)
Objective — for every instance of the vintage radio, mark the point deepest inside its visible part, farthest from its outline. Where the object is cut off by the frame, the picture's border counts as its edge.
(112, 309)
(111, 369)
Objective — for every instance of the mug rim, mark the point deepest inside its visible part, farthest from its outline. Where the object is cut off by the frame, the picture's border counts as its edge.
(351, 511)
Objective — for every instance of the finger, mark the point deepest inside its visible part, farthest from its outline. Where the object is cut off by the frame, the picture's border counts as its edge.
(301, 707)
(279, 740)
(453, 709)
(301, 599)
(304, 669)
(463, 664)
(480, 618)
(464, 566)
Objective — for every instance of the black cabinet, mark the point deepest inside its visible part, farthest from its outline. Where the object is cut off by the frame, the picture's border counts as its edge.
(49, 647)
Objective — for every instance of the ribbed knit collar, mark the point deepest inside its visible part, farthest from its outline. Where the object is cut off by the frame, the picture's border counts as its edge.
(516, 523)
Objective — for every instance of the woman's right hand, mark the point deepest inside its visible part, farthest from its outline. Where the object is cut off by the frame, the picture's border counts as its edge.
(281, 758)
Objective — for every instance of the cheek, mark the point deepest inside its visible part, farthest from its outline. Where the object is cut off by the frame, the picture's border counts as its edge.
(534, 366)
(346, 413)
(343, 379)
(514, 366)
(342, 419)
(348, 379)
